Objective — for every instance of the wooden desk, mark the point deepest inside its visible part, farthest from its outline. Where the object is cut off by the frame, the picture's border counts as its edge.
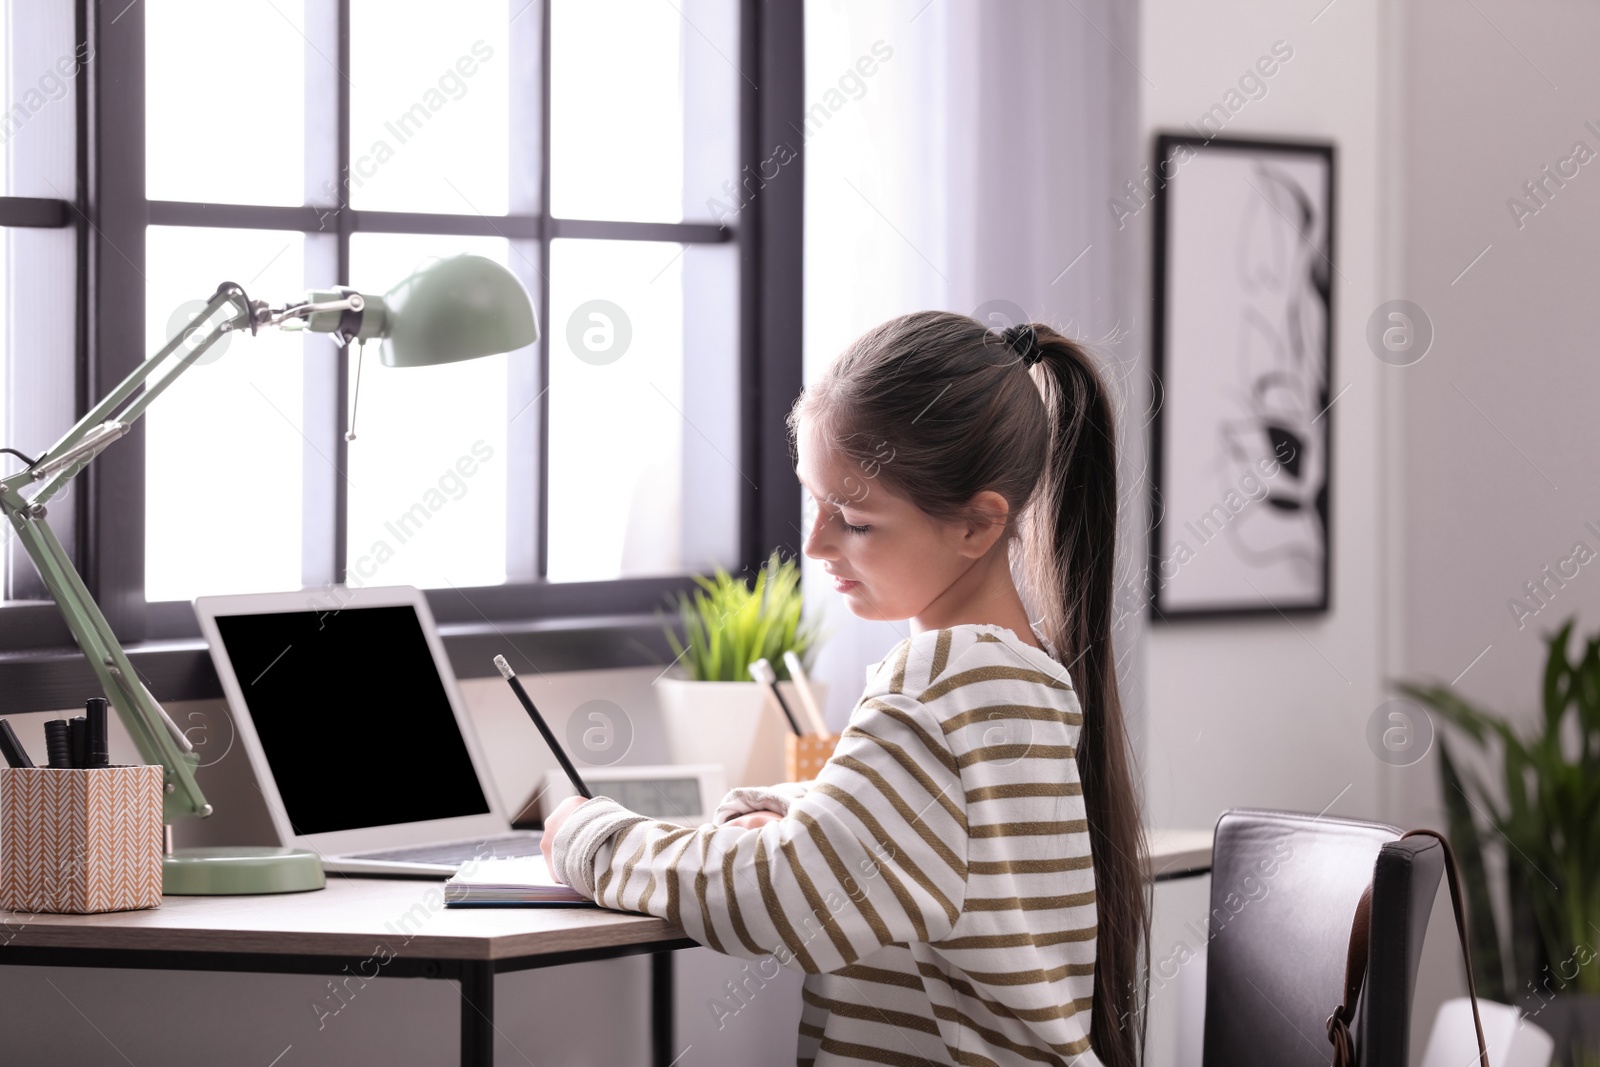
(1175, 854)
(365, 928)
(361, 927)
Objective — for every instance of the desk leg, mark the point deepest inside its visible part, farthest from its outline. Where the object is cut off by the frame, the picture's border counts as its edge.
(477, 1013)
(661, 1009)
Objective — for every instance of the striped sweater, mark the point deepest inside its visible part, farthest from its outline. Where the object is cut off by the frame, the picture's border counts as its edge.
(934, 882)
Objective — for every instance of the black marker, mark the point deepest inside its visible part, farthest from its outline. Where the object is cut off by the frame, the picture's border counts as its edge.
(761, 670)
(99, 746)
(78, 735)
(11, 748)
(544, 730)
(58, 743)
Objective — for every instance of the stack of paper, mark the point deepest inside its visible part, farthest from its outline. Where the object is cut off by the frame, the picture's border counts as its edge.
(524, 880)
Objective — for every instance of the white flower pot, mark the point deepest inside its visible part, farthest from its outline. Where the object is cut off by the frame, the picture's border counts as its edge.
(734, 724)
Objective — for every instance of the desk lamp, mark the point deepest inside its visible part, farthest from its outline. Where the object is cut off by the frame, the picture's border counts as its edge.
(452, 309)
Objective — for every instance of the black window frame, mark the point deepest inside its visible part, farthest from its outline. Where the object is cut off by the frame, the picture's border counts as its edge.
(554, 626)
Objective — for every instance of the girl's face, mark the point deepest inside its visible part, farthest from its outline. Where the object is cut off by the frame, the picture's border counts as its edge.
(889, 558)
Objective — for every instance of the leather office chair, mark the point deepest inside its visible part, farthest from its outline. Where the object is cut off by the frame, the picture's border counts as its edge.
(1283, 893)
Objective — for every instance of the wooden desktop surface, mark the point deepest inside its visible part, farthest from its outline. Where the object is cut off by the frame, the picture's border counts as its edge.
(1175, 853)
(350, 917)
(354, 915)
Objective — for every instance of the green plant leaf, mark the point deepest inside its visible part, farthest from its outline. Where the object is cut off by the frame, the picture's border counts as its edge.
(1528, 958)
(1454, 707)
(1549, 817)
(1586, 675)
(1488, 970)
(729, 623)
(1557, 678)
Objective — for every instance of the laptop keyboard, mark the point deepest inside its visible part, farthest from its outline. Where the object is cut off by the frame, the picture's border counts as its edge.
(455, 853)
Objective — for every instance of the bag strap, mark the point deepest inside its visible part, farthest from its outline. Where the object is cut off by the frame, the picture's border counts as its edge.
(1355, 972)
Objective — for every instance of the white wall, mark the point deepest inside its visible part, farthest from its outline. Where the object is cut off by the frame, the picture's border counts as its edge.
(1268, 712)
(1456, 479)
(1498, 418)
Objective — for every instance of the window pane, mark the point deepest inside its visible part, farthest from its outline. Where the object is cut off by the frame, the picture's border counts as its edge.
(428, 465)
(429, 105)
(625, 430)
(14, 558)
(623, 78)
(9, 385)
(38, 268)
(39, 282)
(223, 445)
(38, 127)
(225, 100)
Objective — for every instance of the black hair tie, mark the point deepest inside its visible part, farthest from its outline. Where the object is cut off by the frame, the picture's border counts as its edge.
(1024, 341)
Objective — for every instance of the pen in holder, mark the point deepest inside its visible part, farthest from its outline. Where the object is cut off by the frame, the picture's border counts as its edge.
(803, 756)
(80, 839)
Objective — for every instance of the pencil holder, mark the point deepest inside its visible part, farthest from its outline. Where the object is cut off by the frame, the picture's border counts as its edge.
(80, 840)
(803, 756)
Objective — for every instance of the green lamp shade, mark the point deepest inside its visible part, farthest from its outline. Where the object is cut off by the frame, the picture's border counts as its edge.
(454, 309)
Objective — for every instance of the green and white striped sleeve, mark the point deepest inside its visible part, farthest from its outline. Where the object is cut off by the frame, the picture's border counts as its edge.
(873, 853)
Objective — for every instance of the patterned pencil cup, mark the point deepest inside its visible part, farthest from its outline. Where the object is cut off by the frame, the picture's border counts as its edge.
(803, 756)
(80, 840)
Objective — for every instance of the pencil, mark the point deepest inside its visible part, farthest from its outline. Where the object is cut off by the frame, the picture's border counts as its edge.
(544, 730)
(808, 698)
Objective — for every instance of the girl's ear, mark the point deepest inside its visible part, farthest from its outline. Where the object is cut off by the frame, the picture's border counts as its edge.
(988, 513)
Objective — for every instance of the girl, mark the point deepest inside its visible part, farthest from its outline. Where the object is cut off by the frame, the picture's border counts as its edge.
(961, 883)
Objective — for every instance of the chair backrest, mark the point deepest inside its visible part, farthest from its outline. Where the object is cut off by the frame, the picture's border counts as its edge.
(1405, 882)
(1284, 887)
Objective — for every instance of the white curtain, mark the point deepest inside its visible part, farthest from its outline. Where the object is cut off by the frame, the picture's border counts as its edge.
(962, 155)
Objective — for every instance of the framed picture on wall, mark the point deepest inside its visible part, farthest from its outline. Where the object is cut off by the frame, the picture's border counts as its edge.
(1242, 426)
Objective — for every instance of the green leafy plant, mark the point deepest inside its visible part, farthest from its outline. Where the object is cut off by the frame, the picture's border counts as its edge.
(1546, 807)
(728, 623)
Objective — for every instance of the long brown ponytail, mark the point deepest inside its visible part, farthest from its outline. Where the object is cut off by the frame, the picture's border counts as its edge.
(1070, 547)
(959, 415)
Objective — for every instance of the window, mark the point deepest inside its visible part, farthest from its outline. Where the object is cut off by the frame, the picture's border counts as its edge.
(441, 112)
(606, 153)
(40, 231)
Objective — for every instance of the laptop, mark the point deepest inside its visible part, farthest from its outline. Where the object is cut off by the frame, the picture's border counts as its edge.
(346, 705)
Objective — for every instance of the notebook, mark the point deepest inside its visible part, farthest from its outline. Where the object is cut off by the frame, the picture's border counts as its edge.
(524, 880)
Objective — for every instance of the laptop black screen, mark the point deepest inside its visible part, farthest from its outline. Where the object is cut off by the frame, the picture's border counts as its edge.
(353, 717)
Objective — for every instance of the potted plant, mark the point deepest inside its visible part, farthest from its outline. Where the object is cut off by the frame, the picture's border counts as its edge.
(1545, 807)
(712, 712)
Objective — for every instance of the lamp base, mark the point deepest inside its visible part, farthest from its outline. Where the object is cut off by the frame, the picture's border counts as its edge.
(240, 869)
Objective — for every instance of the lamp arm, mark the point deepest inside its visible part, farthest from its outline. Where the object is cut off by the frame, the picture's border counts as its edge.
(157, 737)
(153, 732)
(459, 308)
(106, 413)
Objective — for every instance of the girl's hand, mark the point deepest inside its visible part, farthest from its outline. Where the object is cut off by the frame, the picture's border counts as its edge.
(755, 820)
(552, 825)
